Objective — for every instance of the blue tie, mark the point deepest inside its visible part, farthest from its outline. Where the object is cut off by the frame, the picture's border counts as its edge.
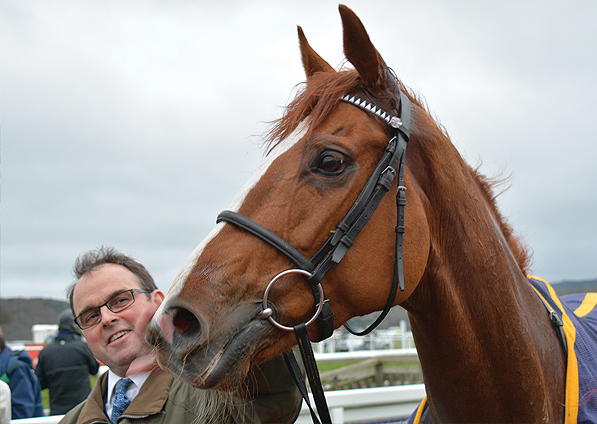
(121, 401)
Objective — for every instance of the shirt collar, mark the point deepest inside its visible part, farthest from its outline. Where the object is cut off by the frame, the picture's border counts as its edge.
(132, 391)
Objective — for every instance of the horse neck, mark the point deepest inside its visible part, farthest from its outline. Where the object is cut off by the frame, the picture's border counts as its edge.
(472, 315)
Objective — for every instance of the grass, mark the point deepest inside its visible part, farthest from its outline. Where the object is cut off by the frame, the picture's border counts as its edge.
(334, 365)
(45, 398)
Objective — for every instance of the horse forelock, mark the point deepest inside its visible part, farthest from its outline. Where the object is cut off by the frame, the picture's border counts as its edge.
(315, 100)
(321, 93)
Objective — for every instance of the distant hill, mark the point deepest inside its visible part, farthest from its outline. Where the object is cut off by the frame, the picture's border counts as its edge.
(18, 315)
(581, 286)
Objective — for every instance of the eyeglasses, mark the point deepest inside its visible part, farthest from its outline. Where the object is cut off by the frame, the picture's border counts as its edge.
(117, 303)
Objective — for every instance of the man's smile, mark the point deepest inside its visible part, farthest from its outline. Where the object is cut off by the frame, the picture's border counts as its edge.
(118, 335)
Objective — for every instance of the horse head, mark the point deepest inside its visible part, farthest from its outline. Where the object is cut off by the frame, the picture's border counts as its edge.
(211, 327)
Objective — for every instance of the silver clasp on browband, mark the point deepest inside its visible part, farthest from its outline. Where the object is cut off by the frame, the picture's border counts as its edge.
(395, 122)
(266, 313)
(391, 120)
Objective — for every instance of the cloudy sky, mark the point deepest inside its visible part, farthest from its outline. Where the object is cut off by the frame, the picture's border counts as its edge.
(133, 123)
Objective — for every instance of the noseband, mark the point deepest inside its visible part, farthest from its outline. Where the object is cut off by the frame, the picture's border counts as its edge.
(333, 250)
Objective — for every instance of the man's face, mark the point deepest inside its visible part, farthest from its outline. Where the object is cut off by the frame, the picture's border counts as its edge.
(119, 338)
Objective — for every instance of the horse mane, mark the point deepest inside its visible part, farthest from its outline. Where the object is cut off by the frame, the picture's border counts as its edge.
(519, 250)
(318, 96)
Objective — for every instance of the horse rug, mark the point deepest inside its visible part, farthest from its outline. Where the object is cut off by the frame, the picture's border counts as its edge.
(578, 312)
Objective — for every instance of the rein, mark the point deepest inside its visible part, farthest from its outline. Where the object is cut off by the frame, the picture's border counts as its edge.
(391, 165)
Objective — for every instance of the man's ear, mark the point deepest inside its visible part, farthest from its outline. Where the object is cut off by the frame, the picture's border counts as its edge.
(157, 296)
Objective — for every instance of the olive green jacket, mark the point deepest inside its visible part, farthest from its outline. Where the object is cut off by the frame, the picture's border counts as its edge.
(163, 399)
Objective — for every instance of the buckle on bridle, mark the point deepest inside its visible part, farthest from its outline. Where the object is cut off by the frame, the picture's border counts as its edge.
(389, 168)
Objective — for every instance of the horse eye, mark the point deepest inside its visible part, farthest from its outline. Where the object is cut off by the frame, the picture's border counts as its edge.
(330, 163)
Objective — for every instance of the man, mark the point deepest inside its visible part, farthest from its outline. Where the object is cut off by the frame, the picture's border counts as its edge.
(113, 301)
(65, 365)
(17, 371)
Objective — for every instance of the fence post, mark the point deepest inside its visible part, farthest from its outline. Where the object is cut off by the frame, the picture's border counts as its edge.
(337, 415)
(403, 333)
(379, 374)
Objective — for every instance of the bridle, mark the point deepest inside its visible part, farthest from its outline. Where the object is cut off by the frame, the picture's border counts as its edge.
(333, 250)
(391, 165)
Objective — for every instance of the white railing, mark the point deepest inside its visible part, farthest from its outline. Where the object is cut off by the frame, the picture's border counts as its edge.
(52, 419)
(391, 338)
(375, 404)
(397, 355)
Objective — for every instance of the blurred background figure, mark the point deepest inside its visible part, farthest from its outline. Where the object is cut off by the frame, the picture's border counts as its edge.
(65, 365)
(4, 403)
(16, 370)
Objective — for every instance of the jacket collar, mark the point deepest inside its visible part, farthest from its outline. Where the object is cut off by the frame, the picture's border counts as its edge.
(150, 400)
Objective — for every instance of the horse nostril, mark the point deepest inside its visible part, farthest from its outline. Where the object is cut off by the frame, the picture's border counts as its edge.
(185, 322)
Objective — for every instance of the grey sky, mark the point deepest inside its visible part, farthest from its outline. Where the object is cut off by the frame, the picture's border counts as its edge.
(133, 123)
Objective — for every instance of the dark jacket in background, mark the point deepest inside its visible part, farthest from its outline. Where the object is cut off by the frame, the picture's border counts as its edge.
(64, 367)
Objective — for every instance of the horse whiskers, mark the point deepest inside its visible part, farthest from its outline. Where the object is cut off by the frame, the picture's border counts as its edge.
(183, 363)
(212, 406)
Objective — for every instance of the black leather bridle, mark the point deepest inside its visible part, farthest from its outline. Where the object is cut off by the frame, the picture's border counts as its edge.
(390, 165)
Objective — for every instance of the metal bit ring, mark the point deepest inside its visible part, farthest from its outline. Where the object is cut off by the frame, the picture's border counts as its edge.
(271, 283)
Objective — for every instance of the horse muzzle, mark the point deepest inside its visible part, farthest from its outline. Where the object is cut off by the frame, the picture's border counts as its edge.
(208, 355)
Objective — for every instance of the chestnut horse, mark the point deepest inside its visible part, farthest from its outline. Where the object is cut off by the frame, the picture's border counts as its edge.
(487, 348)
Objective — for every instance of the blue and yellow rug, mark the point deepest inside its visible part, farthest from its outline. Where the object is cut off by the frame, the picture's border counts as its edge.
(578, 312)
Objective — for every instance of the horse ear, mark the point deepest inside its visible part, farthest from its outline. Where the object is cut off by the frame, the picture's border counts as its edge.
(359, 51)
(312, 62)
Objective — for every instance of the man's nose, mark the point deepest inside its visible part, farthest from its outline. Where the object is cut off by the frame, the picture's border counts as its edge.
(107, 315)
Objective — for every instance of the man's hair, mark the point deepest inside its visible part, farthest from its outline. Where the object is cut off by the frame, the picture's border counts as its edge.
(108, 255)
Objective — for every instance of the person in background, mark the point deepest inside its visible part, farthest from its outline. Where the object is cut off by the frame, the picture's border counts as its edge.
(5, 414)
(64, 366)
(16, 370)
(113, 300)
